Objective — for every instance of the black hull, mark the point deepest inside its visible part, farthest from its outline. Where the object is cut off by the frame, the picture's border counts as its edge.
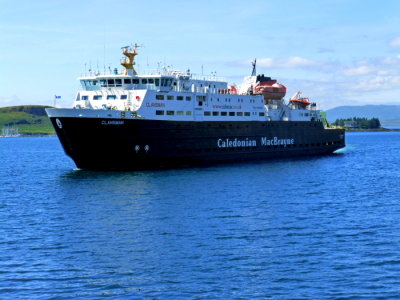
(129, 144)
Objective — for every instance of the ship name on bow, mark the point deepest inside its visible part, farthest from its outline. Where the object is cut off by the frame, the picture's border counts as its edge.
(104, 122)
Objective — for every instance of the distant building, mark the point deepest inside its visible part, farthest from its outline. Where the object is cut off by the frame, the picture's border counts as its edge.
(351, 124)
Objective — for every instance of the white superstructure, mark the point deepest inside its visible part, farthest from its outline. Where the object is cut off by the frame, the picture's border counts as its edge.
(173, 95)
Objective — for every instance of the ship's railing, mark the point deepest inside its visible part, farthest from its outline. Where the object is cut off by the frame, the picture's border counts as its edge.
(208, 78)
(179, 88)
(169, 72)
(155, 72)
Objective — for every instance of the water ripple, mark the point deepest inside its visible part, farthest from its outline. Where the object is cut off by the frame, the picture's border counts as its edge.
(309, 228)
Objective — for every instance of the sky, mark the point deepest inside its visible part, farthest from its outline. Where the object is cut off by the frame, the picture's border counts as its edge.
(336, 52)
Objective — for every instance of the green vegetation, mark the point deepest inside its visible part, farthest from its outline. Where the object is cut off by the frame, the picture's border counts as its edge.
(324, 120)
(358, 123)
(30, 119)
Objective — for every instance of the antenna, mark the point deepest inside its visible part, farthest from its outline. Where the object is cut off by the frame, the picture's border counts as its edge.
(159, 67)
(104, 56)
(253, 63)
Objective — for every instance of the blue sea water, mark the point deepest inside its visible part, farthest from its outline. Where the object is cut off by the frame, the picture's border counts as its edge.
(324, 227)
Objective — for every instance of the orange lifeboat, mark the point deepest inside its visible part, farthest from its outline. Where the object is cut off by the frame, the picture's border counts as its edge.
(269, 88)
(299, 100)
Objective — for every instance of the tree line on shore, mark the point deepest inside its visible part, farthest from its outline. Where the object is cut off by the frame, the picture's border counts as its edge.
(361, 123)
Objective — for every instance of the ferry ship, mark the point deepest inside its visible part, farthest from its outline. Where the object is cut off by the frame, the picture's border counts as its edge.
(126, 121)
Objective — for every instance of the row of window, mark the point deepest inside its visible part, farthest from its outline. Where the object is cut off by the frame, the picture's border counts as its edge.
(118, 81)
(207, 113)
(172, 113)
(231, 113)
(198, 98)
(100, 97)
(171, 97)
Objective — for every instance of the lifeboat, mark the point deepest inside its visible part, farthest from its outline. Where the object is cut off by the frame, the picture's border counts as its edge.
(299, 100)
(269, 88)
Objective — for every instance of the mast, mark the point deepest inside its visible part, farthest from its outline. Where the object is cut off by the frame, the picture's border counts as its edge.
(253, 63)
(128, 61)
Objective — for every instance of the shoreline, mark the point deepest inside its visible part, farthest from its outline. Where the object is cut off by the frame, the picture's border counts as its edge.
(372, 130)
(29, 135)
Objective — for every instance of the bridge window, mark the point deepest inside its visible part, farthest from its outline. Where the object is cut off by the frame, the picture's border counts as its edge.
(179, 113)
(103, 82)
(179, 98)
(160, 97)
(159, 112)
(124, 97)
(135, 81)
(85, 97)
(170, 112)
(144, 81)
(239, 113)
(110, 82)
(97, 97)
(215, 113)
(201, 98)
(127, 81)
(111, 97)
(170, 97)
(157, 82)
(151, 81)
(166, 81)
(188, 98)
(207, 113)
(118, 82)
(247, 114)
(231, 113)
(224, 113)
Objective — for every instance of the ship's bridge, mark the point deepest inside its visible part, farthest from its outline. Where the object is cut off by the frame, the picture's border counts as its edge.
(162, 83)
(149, 82)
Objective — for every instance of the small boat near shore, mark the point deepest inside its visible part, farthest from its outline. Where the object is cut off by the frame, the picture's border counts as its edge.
(10, 131)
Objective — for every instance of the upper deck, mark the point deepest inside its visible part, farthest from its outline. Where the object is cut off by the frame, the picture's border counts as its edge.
(157, 82)
(173, 95)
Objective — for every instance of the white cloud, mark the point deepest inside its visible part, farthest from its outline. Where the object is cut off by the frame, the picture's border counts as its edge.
(376, 83)
(360, 70)
(334, 83)
(9, 101)
(290, 62)
(395, 43)
(391, 60)
(383, 67)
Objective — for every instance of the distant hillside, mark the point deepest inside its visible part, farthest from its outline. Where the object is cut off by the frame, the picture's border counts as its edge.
(30, 119)
(382, 112)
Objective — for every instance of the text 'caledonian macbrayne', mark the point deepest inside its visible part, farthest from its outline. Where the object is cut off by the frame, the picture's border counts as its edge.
(246, 142)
